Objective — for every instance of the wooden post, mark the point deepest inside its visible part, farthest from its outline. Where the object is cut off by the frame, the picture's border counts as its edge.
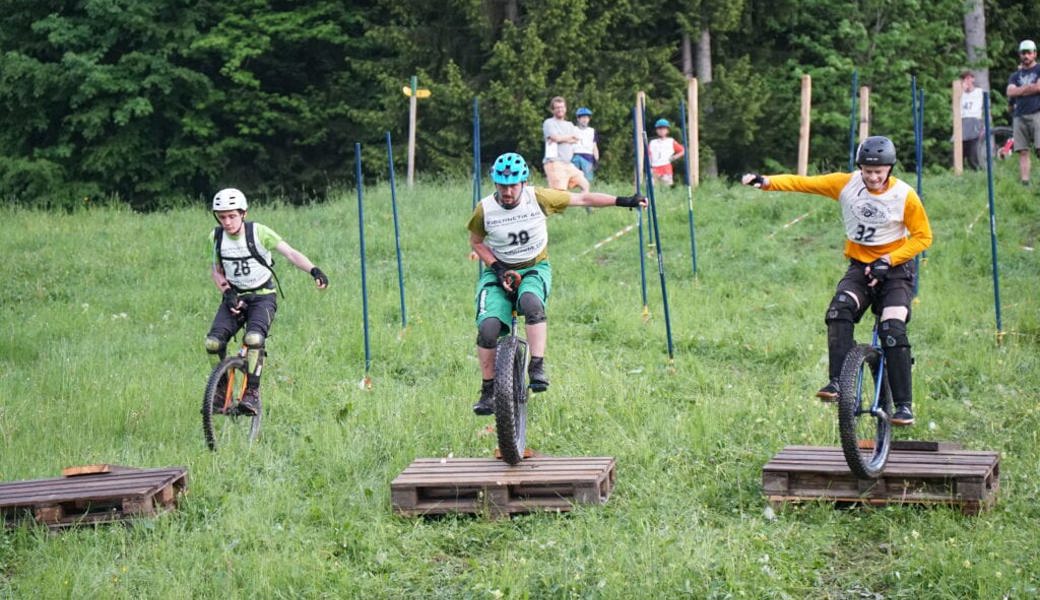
(641, 131)
(958, 131)
(692, 119)
(864, 113)
(413, 107)
(803, 131)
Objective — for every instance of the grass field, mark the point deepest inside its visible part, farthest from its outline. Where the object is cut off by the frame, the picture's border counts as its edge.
(101, 360)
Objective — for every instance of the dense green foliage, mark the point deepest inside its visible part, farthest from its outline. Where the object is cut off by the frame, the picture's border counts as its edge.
(101, 361)
(154, 101)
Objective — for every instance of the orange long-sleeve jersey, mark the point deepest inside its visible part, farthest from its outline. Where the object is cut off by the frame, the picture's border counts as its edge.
(832, 185)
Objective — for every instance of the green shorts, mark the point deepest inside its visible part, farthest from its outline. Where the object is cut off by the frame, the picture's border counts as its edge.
(492, 300)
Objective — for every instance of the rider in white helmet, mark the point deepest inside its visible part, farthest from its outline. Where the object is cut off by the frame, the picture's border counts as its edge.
(243, 271)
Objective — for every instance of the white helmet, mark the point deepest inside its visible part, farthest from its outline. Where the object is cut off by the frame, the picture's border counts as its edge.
(230, 199)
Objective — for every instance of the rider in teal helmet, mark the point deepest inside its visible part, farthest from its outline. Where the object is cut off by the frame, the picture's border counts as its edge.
(507, 230)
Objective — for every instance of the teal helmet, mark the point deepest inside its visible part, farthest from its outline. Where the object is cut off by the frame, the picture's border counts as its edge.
(583, 112)
(509, 169)
(662, 123)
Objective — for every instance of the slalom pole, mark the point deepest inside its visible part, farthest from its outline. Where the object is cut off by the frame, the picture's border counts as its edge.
(852, 120)
(660, 258)
(917, 106)
(639, 213)
(476, 152)
(992, 218)
(646, 164)
(397, 229)
(689, 187)
(366, 383)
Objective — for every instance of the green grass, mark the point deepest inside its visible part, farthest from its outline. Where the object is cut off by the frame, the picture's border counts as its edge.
(101, 360)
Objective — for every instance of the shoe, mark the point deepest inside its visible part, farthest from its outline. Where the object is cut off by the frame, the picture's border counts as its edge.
(539, 381)
(486, 405)
(250, 403)
(903, 415)
(829, 392)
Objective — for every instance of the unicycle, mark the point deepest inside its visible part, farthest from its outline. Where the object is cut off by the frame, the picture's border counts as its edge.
(865, 408)
(224, 390)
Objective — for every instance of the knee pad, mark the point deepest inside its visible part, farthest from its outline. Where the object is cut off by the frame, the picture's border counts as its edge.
(843, 307)
(532, 309)
(892, 334)
(488, 332)
(254, 339)
(215, 346)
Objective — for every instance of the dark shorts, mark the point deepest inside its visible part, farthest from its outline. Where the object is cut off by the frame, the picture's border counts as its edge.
(897, 289)
(258, 316)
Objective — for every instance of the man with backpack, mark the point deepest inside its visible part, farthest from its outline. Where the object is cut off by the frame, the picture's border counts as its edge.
(243, 271)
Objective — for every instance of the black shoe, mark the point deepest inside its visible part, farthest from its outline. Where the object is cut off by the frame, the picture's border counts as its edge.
(250, 403)
(486, 405)
(903, 415)
(829, 392)
(539, 381)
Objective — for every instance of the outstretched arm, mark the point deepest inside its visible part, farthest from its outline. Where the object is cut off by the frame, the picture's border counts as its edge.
(303, 263)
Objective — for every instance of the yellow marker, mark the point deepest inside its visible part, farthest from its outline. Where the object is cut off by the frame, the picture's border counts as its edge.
(419, 93)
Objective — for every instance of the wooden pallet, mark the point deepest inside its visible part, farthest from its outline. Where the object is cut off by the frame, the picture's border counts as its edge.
(478, 485)
(916, 473)
(92, 494)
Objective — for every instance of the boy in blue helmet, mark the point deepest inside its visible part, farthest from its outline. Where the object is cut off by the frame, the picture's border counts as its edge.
(508, 232)
(663, 152)
(586, 150)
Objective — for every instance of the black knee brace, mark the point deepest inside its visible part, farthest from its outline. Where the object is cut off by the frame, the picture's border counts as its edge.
(896, 346)
(488, 332)
(532, 309)
(841, 315)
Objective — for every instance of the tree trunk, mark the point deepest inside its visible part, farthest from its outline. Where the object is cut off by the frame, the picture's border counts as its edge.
(975, 40)
(687, 56)
(704, 57)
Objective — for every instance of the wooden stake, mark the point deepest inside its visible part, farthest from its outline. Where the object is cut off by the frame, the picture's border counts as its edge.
(693, 140)
(958, 131)
(864, 113)
(803, 131)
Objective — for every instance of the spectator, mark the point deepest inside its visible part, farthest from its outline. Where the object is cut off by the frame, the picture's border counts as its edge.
(560, 136)
(586, 151)
(1024, 90)
(663, 152)
(973, 128)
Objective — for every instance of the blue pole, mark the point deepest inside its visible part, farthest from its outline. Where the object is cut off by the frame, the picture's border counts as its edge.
(361, 237)
(992, 217)
(397, 229)
(477, 175)
(660, 258)
(639, 211)
(689, 188)
(852, 120)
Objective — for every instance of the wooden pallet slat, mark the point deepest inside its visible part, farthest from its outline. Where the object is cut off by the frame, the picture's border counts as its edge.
(439, 486)
(916, 473)
(83, 497)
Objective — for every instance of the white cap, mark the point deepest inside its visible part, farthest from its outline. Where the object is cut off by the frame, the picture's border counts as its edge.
(1027, 46)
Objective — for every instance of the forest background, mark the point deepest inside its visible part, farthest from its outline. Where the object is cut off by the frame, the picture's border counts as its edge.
(156, 103)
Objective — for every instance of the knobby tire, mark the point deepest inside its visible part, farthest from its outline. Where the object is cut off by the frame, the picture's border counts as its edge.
(510, 393)
(866, 455)
(214, 399)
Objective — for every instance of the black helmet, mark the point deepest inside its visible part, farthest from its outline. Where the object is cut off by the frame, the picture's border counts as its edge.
(876, 150)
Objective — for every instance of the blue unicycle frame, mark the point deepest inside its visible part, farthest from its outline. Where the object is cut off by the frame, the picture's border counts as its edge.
(865, 408)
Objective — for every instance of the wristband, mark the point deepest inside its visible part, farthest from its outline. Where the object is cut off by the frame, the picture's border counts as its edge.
(628, 201)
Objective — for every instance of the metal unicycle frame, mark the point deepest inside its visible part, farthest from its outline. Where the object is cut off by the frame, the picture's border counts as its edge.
(510, 392)
(865, 409)
(224, 389)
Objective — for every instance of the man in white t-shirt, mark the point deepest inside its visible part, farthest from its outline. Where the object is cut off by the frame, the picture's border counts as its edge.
(560, 135)
(973, 128)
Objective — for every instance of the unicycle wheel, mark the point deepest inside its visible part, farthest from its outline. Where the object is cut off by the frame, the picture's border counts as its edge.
(221, 420)
(866, 437)
(510, 391)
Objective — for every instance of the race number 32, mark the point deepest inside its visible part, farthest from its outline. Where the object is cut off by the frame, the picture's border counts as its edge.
(864, 233)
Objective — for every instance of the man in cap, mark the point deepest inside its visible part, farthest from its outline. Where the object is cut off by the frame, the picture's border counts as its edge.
(1024, 88)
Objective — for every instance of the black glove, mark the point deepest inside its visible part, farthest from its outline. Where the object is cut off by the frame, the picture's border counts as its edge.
(507, 278)
(231, 300)
(758, 181)
(878, 272)
(320, 277)
(629, 201)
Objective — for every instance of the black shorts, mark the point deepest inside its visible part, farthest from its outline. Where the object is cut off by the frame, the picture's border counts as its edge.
(896, 290)
(257, 316)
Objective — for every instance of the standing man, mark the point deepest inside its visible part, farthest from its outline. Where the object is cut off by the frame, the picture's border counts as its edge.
(885, 228)
(560, 135)
(508, 232)
(972, 127)
(1024, 89)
